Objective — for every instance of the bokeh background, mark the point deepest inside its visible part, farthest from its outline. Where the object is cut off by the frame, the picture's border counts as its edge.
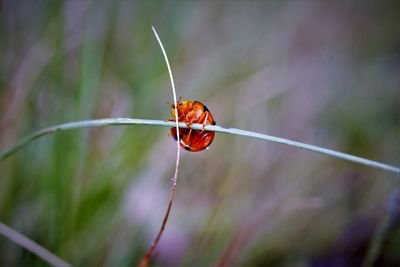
(320, 72)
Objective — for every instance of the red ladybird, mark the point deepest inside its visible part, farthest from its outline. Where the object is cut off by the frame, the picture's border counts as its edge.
(193, 112)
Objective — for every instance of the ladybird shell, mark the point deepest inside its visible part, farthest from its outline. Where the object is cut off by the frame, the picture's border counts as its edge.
(193, 112)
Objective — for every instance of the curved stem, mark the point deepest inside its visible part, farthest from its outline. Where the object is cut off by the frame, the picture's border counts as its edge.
(125, 121)
(146, 259)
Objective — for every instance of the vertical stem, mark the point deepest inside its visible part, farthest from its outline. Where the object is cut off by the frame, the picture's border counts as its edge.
(146, 259)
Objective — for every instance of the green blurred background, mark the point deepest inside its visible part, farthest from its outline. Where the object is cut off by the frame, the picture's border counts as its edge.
(325, 73)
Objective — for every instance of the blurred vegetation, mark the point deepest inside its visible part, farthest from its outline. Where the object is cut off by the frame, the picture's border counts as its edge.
(325, 73)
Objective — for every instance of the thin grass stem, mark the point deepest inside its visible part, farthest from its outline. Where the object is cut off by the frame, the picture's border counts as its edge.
(126, 121)
(32, 246)
(384, 230)
(146, 259)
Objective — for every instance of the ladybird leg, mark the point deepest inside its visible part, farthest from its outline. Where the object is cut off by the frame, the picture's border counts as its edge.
(188, 136)
(189, 123)
(203, 120)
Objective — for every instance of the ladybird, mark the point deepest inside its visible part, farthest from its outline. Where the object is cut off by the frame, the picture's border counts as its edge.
(192, 112)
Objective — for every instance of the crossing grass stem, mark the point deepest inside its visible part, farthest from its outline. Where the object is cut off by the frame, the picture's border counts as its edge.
(127, 121)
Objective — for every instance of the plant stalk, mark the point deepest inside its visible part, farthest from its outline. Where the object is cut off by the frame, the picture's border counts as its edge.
(126, 121)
